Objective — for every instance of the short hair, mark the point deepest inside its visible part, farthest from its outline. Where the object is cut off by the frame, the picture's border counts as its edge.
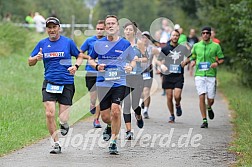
(111, 16)
(134, 25)
(100, 22)
(176, 31)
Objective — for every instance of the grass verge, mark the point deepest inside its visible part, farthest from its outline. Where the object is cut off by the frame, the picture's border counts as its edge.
(239, 98)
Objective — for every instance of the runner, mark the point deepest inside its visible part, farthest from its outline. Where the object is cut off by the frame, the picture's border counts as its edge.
(134, 82)
(58, 85)
(173, 80)
(112, 52)
(204, 57)
(91, 74)
(150, 52)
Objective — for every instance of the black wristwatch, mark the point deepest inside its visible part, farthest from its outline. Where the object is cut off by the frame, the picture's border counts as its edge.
(77, 66)
(96, 67)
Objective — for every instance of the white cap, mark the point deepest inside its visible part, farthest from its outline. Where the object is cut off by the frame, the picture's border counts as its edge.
(176, 26)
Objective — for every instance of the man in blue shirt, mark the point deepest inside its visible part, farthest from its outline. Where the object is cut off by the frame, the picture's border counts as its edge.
(58, 86)
(92, 73)
(113, 53)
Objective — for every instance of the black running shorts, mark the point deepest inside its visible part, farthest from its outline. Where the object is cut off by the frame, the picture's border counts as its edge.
(65, 98)
(172, 82)
(107, 96)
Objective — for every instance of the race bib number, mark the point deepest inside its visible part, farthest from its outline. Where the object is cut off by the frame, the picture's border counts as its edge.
(112, 74)
(173, 68)
(204, 66)
(146, 76)
(54, 88)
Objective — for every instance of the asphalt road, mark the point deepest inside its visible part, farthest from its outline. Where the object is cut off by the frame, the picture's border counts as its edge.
(159, 144)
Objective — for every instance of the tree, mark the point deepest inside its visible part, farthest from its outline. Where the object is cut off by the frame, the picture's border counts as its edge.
(142, 13)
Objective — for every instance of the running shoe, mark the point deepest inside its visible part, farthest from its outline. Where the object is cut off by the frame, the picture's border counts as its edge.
(92, 111)
(97, 123)
(107, 133)
(146, 115)
(210, 113)
(204, 125)
(56, 149)
(171, 119)
(179, 111)
(129, 135)
(64, 128)
(140, 122)
(113, 149)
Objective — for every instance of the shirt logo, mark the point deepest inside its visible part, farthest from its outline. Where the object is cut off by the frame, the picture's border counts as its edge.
(49, 46)
(119, 51)
(54, 54)
(106, 46)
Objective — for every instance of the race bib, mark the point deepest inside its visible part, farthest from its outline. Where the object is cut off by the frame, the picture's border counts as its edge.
(112, 74)
(146, 76)
(204, 66)
(54, 88)
(173, 68)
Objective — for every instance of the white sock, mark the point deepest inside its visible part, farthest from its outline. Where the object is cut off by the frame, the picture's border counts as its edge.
(146, 109)
(57, 142)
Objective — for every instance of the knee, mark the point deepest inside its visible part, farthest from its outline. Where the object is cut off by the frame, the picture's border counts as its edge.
(105, 118)
(177, 97)
(49, 114)
(115, 111)
(169, 97)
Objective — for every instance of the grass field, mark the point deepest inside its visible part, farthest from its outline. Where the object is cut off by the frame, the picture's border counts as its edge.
(239, 98)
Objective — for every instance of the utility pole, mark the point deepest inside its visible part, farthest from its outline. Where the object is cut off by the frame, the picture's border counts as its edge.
(90, 4)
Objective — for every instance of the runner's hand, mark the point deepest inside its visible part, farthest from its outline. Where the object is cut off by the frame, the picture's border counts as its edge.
(101, 67)
(128, 68)
(163, 68)
(214, 65)
(72, 70)
(193, 63)
(39, 55)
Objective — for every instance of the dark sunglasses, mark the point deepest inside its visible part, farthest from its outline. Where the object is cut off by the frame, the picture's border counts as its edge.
(206, 33)
(99, 28)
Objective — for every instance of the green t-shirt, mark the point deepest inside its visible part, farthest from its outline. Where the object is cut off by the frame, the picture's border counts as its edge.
(205, 54)
(182, 39)
(29, 20)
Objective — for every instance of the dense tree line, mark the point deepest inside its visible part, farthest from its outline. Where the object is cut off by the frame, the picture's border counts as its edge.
(232, 20)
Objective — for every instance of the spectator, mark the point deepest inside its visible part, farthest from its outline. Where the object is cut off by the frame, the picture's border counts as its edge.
(39, 23)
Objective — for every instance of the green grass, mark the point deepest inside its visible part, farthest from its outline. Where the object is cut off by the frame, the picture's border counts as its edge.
(239, 98)
(22, 115)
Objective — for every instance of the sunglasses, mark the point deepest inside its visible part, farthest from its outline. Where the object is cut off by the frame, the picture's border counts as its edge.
(206, 33)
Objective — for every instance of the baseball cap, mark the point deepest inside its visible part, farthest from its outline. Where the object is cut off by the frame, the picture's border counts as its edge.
(206, 29)
(53, 20)
(146, 33)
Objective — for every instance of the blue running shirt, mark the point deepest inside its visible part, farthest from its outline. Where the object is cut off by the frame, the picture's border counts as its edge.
(57, 59)
(115, 55)
(88, 46)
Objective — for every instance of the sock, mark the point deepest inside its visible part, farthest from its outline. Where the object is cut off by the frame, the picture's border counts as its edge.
(208, 107)
(57, 142)
(62, 123)
(146, 109)
(204, 120)
(172, 115)
(113, 141)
